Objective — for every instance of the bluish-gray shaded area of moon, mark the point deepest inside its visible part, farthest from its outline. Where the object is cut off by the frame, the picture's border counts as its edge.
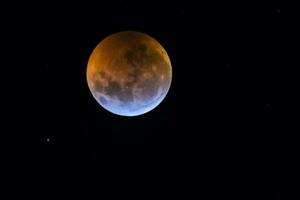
(133, 108)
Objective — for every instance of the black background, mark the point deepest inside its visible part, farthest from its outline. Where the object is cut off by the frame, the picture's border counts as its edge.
(221, 132)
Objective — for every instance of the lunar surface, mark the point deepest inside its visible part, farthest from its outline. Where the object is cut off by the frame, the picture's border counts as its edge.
(129, 73)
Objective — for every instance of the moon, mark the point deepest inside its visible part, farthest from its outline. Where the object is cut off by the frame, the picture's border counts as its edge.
(129, 73)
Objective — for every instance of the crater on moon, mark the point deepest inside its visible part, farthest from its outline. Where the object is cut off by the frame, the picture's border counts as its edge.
(129, 73)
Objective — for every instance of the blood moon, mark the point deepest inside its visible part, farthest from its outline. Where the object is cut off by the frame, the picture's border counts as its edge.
(129, 73)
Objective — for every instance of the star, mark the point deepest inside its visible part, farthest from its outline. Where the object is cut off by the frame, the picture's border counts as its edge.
(48, 140)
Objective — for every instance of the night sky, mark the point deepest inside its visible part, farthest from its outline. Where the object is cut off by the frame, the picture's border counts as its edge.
(219, 133)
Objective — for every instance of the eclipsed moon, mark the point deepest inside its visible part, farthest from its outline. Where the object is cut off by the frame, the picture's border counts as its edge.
(129, 73)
